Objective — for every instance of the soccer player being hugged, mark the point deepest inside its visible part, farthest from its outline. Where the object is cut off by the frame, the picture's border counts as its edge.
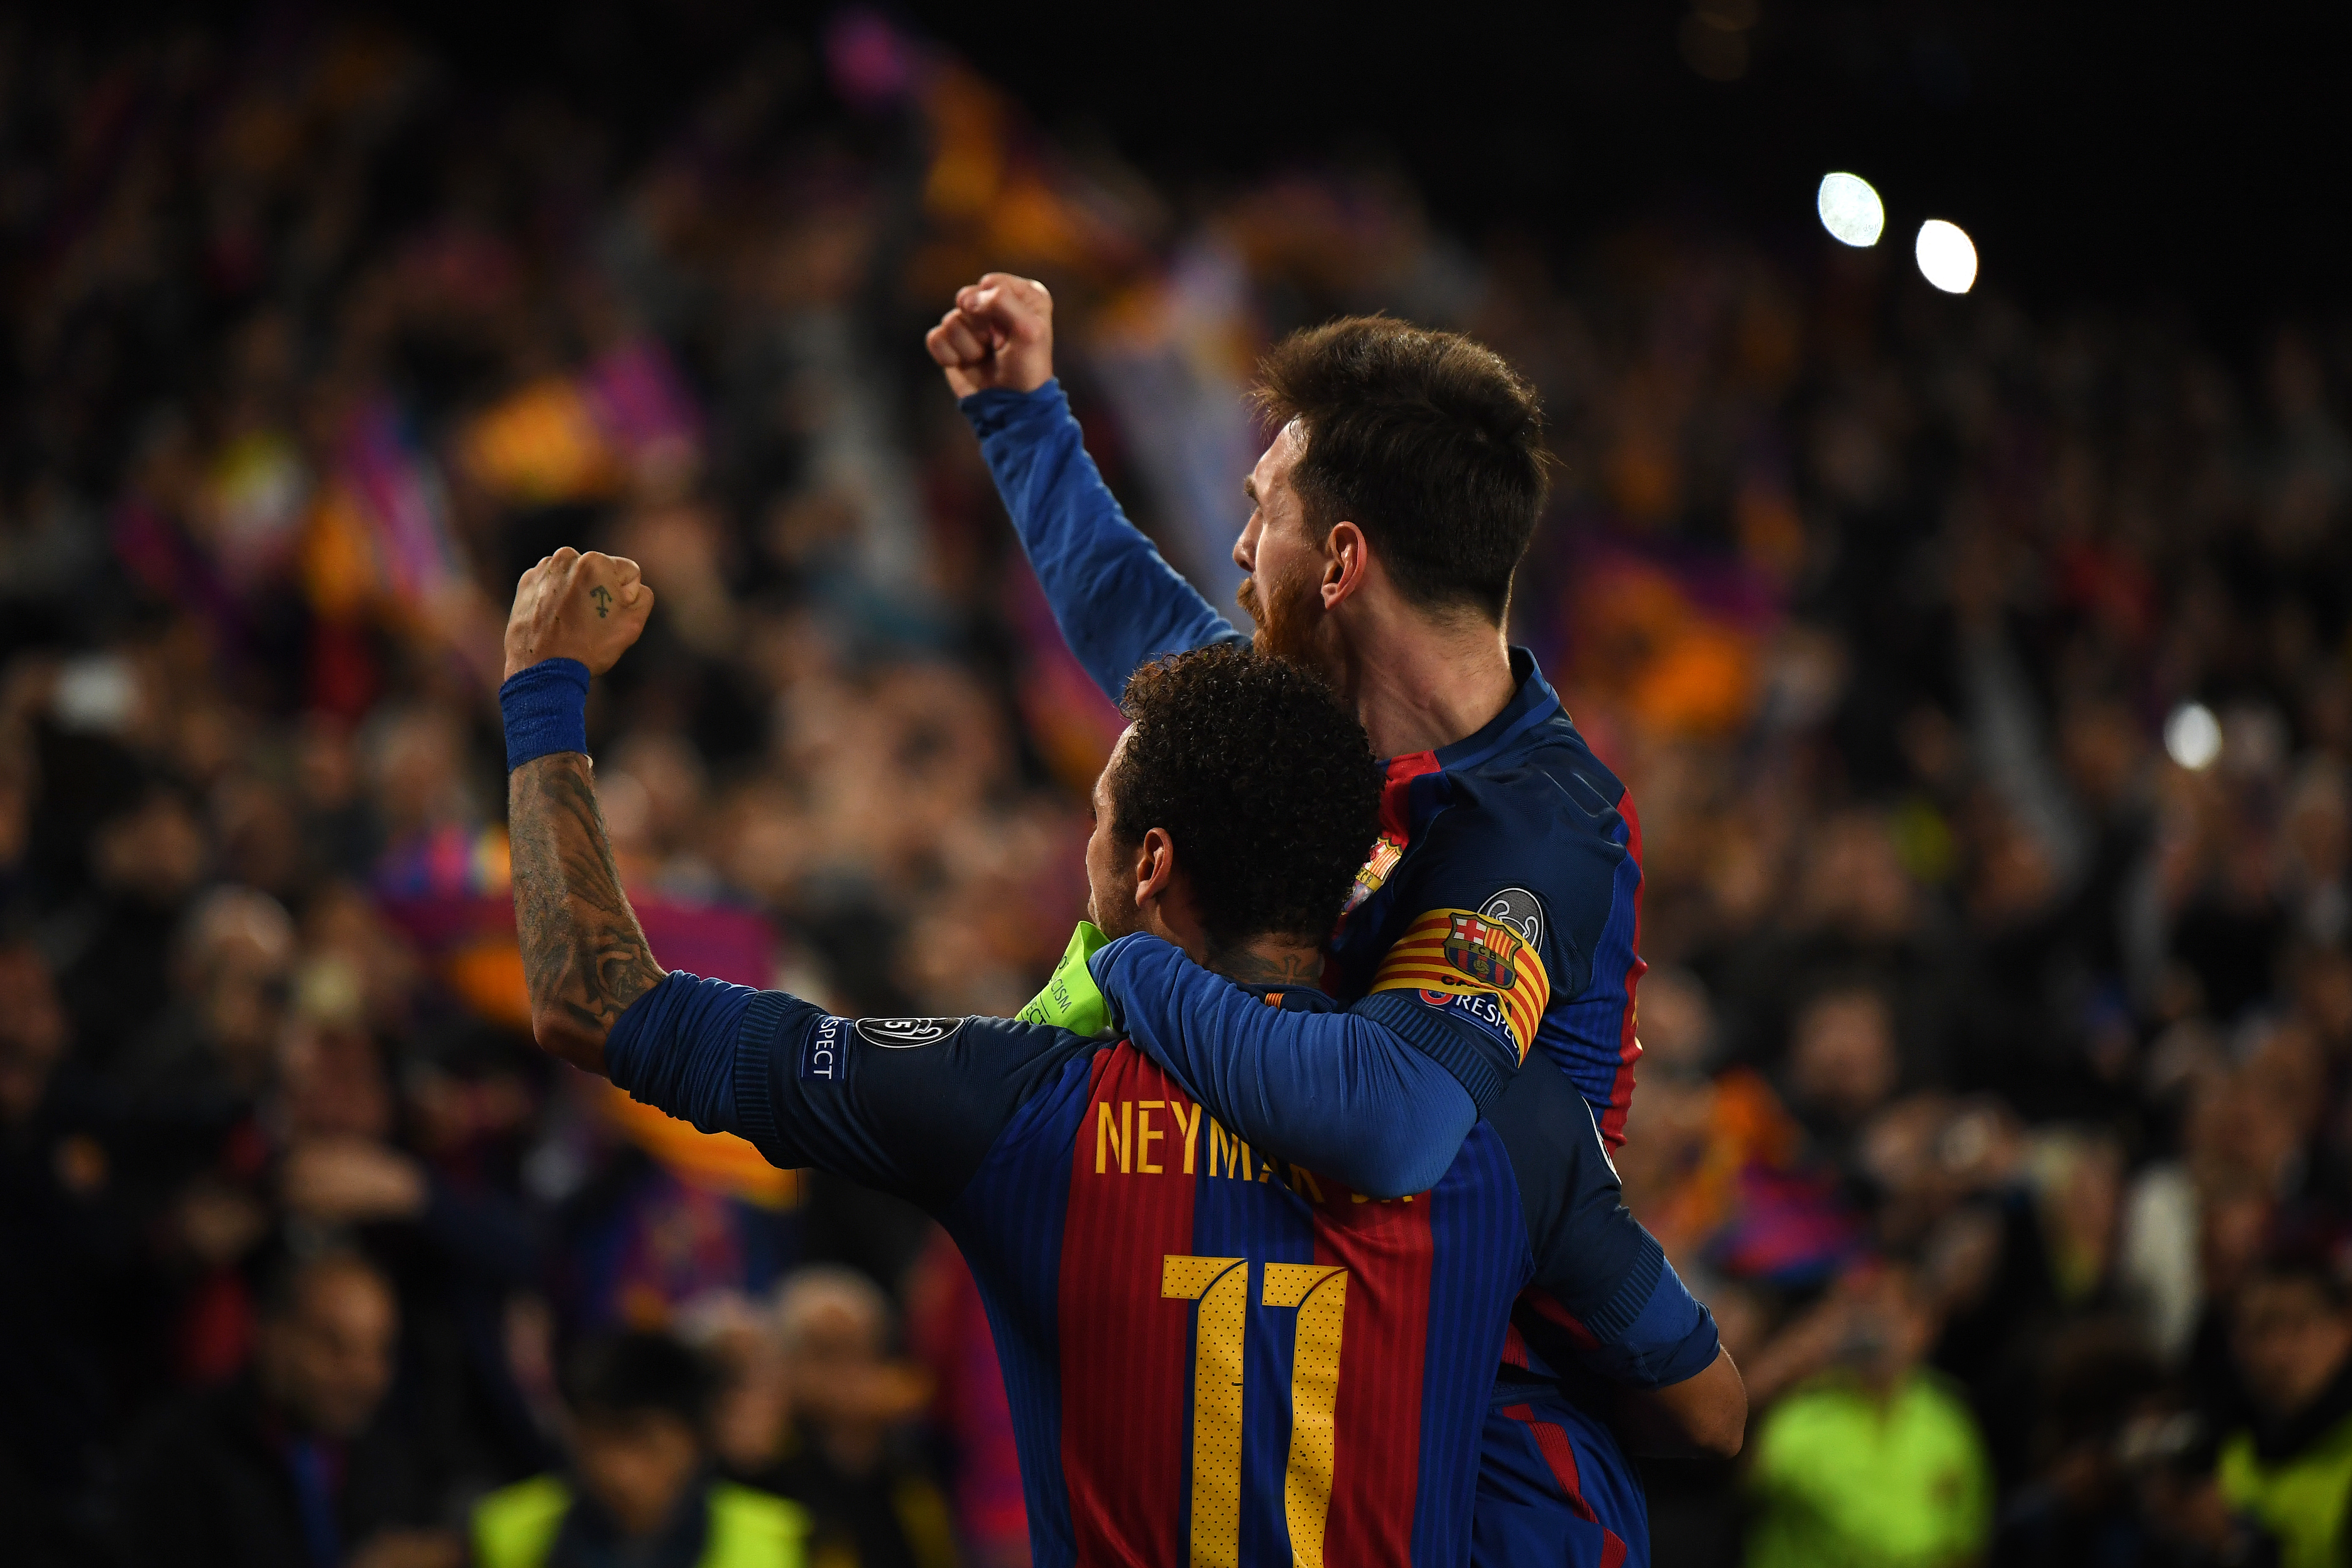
(1213, 1355)
(1499, 913)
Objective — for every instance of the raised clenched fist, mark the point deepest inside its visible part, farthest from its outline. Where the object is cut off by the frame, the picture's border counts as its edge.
(589, 608)
(1000, 334)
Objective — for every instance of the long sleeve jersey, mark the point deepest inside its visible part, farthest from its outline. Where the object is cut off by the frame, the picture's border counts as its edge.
(1210, 1355)
(1498, 914)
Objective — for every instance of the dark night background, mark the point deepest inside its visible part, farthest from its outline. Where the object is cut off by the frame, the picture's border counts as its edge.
(1981, 665)
(2123, 154)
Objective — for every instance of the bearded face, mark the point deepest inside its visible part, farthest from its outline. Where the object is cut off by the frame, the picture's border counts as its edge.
(1289, 612)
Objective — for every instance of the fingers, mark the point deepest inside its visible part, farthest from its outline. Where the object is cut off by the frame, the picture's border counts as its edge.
(568, 568)
(1013, 306)
(623, 575)
(958, 341)
(1026, 292)
(630, 580)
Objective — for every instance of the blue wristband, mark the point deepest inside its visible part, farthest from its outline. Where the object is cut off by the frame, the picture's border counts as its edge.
(546, 709)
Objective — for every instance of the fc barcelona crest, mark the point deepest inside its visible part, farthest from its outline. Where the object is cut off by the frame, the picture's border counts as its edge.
(1385, 857)
(1484, 950)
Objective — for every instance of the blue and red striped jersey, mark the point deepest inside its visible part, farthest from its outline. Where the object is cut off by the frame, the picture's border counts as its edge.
(1219, 1359)
(1508, 880)
(1498, 914)
(1211, 1357)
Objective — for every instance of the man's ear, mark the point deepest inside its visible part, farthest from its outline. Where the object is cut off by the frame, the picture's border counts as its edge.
(1346, 558)
(1155, 865)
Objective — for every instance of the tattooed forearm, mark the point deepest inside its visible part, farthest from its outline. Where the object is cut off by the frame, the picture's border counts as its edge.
(584, 956)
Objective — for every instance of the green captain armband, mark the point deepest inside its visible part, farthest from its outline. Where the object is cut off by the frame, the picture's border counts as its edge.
(1070, 1000)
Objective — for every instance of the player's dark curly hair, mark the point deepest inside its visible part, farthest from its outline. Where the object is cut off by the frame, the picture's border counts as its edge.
(1264, 781)
(1428, 441)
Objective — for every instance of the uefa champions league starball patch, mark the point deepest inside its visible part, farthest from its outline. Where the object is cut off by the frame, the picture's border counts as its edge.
(905, 1034)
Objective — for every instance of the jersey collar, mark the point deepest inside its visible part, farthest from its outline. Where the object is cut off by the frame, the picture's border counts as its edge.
(1292, 998)
(1532, 704)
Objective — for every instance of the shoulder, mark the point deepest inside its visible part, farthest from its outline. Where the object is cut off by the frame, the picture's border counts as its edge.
(1009, 1046)
(831, 1048)
(1536, 839)
(970, 1072)
(1552, 784)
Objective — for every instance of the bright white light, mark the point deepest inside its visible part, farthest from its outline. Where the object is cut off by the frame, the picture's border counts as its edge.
(2192, 736)
(1850, 210)
(1948, 258)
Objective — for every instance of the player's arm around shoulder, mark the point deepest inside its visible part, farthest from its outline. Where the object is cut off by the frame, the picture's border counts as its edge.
(1325, 1090)
(1604, 1292)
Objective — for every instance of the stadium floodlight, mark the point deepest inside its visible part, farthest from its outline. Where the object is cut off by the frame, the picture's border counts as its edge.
(1947, 258)
(1850, 210)
(2192, 736)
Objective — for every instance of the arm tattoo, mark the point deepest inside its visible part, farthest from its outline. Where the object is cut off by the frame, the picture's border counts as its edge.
(583, 953)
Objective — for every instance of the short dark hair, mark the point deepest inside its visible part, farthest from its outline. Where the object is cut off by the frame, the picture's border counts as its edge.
(1262, 779)
(639, 1373)
(1428, 441)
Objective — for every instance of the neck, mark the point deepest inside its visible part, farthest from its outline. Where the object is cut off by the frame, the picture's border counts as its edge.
(1418, 681)
(1270, 961)
(1260, 961)
(1267, 958)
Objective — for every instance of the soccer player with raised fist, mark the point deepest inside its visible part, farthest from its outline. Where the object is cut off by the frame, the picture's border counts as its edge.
(1212, 1354)
(1497, 913)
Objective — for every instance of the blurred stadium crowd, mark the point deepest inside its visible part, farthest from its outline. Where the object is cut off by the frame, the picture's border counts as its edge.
(1995, 1094)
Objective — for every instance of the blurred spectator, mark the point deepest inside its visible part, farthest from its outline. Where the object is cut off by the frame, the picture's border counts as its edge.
(1983, 675)
(70, 1278)
(848, 1456)
(143, 864)
(212, 1047)
(2083, 1506)
(640, 1490)
(948, 1331)
(2292, 1469)
(1870, 1458)
(299, 1461)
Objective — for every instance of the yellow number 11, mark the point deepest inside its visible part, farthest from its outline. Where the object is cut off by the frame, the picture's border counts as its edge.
(1221, 1284)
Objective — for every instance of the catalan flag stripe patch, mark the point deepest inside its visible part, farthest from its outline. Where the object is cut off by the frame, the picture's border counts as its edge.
(1465, 954)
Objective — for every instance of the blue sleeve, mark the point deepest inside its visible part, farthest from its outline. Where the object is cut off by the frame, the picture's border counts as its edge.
(906, 1106)
(1332, 1091)
(1602, 1295)
(1117, 603)
(674, 1048)
(1673, 1339)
